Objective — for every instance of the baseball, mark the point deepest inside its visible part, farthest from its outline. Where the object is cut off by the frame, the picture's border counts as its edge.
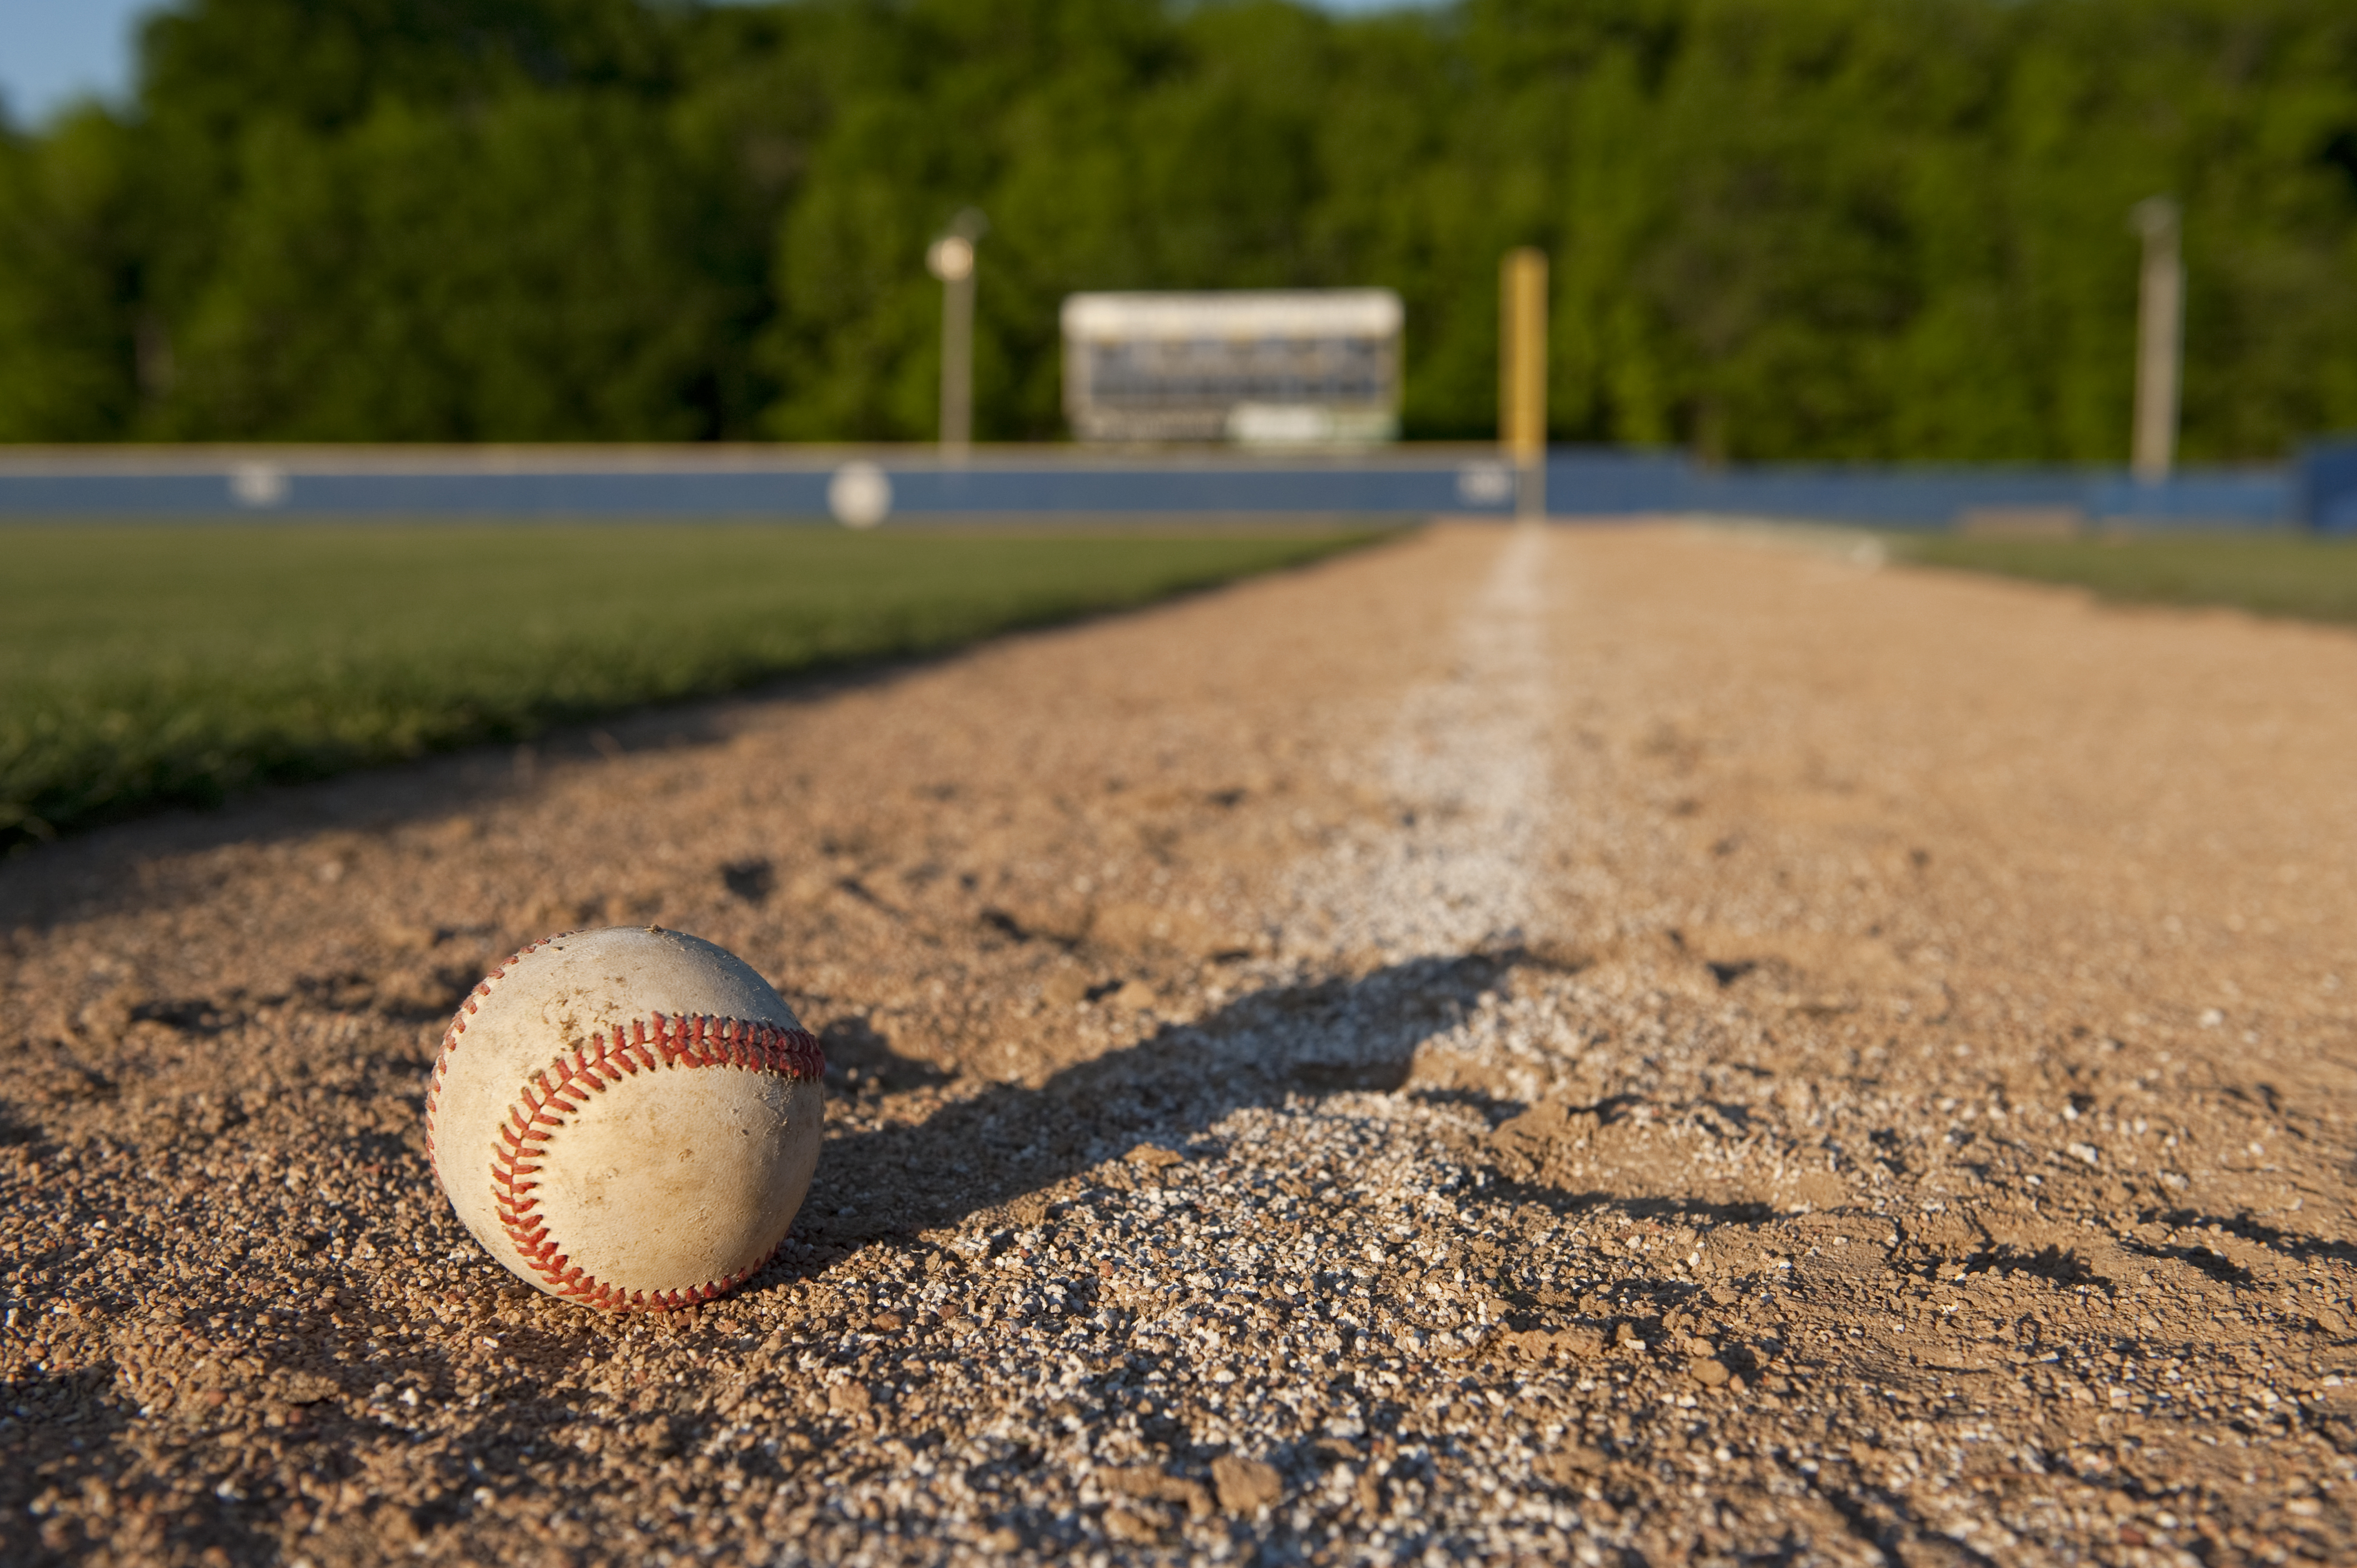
(627, 1118)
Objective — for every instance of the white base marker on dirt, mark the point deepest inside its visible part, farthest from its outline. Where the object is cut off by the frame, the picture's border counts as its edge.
(1466, 773)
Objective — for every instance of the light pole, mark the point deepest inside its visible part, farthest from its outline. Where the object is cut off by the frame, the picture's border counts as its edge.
(951, 259)
(2160, 341)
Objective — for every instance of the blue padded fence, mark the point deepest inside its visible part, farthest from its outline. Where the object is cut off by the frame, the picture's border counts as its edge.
(791, 483)
(2327, 487)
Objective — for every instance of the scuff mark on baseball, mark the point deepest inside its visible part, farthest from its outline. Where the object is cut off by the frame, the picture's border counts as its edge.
(627, 1118)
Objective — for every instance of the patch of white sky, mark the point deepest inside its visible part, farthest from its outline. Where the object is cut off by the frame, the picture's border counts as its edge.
(55, 52)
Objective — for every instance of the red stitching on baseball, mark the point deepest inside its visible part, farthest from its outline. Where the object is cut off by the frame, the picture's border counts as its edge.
(458, 1026)
(550, 1098)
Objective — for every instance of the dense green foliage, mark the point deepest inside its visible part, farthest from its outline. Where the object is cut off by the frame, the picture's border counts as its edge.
(1837, 228)
(2272, 574)
(141, 665)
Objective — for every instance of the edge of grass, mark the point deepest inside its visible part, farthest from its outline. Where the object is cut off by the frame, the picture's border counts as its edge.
(2280, 575)
(95, 778)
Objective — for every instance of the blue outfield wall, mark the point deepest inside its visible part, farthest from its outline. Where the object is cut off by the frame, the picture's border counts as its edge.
(2327, 487)
(1407, 480)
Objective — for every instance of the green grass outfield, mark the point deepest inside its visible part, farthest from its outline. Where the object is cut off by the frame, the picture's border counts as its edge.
(142, 666)
(2268, 574)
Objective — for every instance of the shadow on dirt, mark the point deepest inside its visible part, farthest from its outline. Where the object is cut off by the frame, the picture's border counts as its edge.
(64, 1433)
(1264, 1049)
(15, 1131)
(859, 1057)
(2058, 1265)
(2290, 1243)
(1280, 1045)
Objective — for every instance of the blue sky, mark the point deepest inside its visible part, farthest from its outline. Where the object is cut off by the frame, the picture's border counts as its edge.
(52, 51)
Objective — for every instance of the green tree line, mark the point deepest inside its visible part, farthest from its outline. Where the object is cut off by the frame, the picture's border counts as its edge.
(1781, 228)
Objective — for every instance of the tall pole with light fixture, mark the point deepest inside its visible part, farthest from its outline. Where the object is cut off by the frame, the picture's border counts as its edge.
(951, 259)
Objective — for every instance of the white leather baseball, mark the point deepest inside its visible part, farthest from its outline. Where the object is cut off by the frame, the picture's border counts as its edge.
(628, 1117)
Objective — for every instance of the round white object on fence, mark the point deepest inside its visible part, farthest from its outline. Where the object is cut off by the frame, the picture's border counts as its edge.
(1485, 484)
(257, 484)
(860, 495)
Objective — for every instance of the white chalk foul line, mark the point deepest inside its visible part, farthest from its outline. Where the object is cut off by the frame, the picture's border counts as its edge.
(1465, 766)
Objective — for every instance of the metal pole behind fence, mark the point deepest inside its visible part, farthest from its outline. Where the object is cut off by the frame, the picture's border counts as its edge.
(957, 365)
(951, 259)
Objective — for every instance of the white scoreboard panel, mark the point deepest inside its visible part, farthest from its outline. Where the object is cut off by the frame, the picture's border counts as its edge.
(1290, 367)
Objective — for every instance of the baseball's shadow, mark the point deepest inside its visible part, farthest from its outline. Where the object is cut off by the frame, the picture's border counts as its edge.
(1264, 1049)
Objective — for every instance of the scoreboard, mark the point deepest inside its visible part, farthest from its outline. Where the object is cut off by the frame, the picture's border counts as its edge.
(1263, 368)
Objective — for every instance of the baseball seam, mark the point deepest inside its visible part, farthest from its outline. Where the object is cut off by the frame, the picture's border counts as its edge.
(551, 1096)
(450, 1036)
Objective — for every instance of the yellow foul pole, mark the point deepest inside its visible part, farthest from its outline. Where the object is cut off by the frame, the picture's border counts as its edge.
(1522, 374)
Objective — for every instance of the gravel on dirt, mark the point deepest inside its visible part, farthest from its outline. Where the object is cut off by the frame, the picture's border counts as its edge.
(1599, 1045)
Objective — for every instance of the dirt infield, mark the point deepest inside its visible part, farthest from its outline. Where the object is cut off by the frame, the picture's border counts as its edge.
(1610, 1046)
